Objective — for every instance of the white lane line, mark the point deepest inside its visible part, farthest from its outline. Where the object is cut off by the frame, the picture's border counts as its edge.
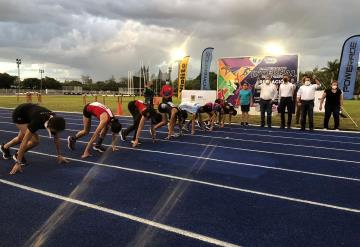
(161, 226)
(259, 193)
(254, 141)
(221, 161)
(272, 153)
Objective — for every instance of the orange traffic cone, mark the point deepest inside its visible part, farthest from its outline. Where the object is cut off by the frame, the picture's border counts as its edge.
(119, 111)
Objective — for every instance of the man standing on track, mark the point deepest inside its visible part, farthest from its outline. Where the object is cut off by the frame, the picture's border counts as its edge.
(305, 98)
(29, 118)
(267, 96)
(106, 118)
(286, 92)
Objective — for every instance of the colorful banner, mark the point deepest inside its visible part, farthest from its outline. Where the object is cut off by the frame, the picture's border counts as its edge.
(205, 68)
(348, 66)
(233, 72)
(182, 70)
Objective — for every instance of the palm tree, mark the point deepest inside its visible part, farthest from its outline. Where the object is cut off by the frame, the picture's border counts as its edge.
(332, 69)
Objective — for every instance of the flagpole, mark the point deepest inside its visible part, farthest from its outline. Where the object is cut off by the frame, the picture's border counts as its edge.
(350, 117)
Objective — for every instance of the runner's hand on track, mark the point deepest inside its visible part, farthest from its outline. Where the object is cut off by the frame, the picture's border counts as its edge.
(60, 159)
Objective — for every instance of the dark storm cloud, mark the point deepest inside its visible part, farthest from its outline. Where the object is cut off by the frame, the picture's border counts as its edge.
(104, 38)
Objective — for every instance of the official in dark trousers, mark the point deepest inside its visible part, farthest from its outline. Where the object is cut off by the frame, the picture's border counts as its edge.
(305, 98)
(268, 92)
(333, 104)
(286, 91)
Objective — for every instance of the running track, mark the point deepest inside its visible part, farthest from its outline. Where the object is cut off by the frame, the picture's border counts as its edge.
(230, 187)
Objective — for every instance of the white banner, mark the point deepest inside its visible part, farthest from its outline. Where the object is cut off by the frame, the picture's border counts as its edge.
(198, 96)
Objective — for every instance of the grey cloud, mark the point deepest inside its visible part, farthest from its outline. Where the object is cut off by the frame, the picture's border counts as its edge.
(104, 38)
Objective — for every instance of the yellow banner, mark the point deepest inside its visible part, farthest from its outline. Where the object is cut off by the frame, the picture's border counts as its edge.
(183, 68)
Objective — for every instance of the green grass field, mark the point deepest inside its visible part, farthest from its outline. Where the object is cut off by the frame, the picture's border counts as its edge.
(75, 104)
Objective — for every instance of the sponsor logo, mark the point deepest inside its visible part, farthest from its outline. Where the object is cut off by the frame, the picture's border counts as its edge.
(270, 60)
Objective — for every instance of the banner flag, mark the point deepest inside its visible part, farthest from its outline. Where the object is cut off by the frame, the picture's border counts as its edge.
(348, 66)
(182, 70)
(205, 68)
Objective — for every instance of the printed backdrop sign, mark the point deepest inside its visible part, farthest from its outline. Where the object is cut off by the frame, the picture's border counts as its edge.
(199, 96)
(233, 72)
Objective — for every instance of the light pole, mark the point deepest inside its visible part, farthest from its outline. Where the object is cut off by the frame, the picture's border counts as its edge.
(18, 62)
(41, 71)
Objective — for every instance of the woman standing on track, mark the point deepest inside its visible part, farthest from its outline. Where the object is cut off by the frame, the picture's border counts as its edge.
(334, 103)
(29, 118)
(106, 118)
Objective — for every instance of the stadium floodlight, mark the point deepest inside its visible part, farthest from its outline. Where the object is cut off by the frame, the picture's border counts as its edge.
(18, 62)
(41, 71)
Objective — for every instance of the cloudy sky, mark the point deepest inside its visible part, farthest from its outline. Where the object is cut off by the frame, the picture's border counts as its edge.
(101, 38)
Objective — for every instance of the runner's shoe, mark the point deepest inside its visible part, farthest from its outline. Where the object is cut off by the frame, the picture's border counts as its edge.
(23, 162)
(71, 143)
(99, 148)
(5, 152)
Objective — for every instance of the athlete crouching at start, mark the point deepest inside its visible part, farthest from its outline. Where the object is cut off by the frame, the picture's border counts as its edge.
(140, 113)
(29, 118)
(176, 116)
(192, 109)
(212, 109)
(106, 118)
(228, 109)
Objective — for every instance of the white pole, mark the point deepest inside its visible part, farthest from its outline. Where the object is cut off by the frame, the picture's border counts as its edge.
(141, 74)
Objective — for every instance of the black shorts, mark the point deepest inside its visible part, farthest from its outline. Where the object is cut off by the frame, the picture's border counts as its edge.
(245, 108)
(164, 100)
(86, 113)
(18, 115)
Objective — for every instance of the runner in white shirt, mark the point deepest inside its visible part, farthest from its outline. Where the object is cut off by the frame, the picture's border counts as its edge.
(305, 98)
(286, 91)
(191, 108)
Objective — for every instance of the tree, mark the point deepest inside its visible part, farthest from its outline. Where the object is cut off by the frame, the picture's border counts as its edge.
(7, 81)
(51, 83)
(31, 83)
(332, 69)
(73, 83)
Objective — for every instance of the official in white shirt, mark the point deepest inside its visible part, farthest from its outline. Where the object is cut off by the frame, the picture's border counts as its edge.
(286, 92)
(268, 94)
(306, 97)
